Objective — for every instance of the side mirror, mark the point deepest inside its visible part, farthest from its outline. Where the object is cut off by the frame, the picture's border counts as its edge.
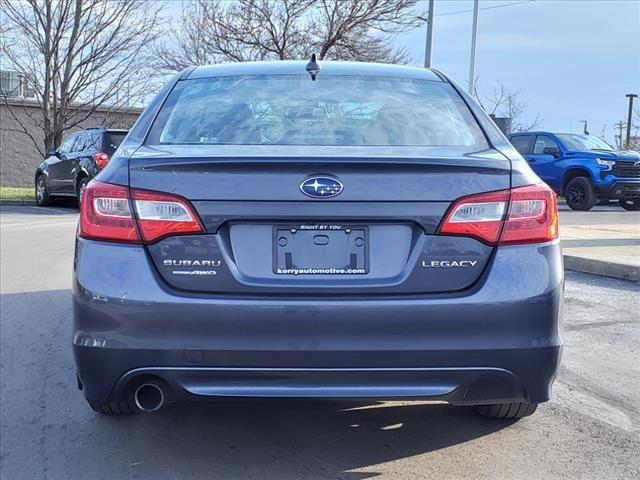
(52, 152)
(551, 151)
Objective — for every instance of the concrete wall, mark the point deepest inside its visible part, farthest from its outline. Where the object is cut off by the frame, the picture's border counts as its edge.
(18, 155)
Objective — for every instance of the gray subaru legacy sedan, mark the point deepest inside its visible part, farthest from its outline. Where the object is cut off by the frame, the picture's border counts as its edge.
(337, 230)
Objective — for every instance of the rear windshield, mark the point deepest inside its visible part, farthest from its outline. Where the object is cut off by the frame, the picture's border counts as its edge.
(112, 141)
(333, 110)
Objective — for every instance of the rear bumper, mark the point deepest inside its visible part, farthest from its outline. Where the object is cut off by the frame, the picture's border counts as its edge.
(456, 385)
(499, 341)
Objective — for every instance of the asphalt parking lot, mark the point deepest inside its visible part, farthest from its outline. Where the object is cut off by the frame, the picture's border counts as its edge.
(590, 430)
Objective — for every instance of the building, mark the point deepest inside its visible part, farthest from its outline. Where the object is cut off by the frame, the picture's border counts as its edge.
(19, 156)
(15, 85)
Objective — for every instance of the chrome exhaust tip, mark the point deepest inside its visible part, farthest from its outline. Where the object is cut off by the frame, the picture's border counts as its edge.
(149, 397)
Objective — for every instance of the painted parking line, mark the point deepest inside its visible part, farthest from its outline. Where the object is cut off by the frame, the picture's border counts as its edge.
(40, 224)
(34, 225)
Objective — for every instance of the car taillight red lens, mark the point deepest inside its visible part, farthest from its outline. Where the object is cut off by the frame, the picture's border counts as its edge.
(520, 215)
(107, 214)
(160, 215)
(478, 216)
(533, 215)
(101, 159)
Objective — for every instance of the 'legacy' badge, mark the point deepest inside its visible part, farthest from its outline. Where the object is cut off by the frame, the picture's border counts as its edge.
(449, 264)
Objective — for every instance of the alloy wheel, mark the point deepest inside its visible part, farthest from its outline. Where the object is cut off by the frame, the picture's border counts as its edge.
(83, 185)
(576, 195)
(40, 189)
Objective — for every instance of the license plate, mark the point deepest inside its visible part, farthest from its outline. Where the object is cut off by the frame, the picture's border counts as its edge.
(323, 249)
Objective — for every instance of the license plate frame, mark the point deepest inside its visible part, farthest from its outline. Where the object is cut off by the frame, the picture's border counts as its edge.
(324, 249)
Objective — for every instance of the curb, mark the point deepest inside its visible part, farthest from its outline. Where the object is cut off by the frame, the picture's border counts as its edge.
(601, 267)
(24, 203)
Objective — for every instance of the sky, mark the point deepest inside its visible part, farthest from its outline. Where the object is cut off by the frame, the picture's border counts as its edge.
(572, 60)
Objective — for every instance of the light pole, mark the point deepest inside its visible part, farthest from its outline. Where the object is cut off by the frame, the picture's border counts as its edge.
(474, 39)
(428, 51)
(428, 47)
(630, 96)
(584, 129)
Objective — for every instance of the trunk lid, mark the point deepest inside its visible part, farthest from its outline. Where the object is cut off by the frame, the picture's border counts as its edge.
(264, 235)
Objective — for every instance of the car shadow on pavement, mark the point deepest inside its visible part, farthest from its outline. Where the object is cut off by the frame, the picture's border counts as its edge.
(44, 416)
(300, 438)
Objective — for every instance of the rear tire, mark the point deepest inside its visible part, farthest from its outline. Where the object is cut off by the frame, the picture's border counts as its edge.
(113, 408)
(507, 410)
(43, 199)
(81, 186)
(580, 194)
(630, 205)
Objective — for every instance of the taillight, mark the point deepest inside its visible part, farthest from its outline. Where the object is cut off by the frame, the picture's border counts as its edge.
(101, 159)
(479, 216)
(520, 215)
(533, 215)
(107, 213)
(161, 215)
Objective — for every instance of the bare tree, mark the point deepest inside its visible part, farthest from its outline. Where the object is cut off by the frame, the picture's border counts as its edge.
(634, 137)
(245, 30)
(603, 132)
(352, 29)
(79, 56)
(507, 103)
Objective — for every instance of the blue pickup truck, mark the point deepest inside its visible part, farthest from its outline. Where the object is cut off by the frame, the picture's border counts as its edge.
(582, 168)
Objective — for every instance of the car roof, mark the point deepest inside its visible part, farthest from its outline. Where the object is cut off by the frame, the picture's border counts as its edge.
(543, 132)
(105, 130)
(513, 134)
(295, 67)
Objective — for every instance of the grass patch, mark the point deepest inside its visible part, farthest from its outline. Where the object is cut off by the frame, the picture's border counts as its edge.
(17, 193)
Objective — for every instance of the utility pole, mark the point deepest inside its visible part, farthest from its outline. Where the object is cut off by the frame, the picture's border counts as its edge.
(428, 47)
(630, 96)
(474, 39)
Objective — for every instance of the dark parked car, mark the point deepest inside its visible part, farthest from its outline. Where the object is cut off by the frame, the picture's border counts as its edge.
(363, 231)
(66, 171)
(582, 168)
